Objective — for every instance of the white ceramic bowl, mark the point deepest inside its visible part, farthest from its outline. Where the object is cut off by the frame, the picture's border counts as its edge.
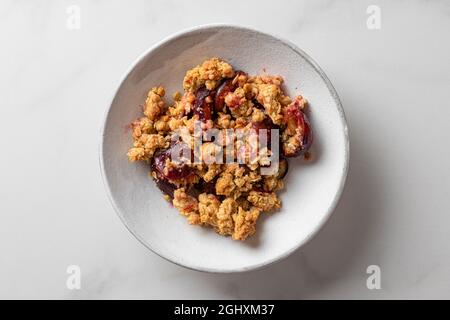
(312, 189)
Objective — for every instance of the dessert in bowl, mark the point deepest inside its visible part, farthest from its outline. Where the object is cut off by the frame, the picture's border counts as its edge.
(298, 203)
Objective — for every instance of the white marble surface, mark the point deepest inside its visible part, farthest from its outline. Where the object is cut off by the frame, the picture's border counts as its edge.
(395, 87)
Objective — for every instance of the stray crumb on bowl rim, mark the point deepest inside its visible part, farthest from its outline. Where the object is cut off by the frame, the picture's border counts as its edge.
(335, 97)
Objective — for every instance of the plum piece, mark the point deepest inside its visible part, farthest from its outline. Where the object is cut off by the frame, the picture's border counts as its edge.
(265, 124)
(225, 88)
(203, 105)
(259, 188)
(209, 187)
(164, 185)
(206, 187)
(237, 74)
(258, 105)
(173, 171)
(297, 136)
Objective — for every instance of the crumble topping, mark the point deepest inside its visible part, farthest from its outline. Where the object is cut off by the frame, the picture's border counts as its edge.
(228, 197)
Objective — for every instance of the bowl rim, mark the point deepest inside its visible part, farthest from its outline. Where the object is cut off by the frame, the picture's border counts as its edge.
(342, 118)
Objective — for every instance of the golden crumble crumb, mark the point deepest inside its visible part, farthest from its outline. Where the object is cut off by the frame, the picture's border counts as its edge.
(176, 96)
(268, 97)
(145, 146)
(213, 170)
(135, 154)
(225, 184)
(224, 121)
(225, 223)
(162, 124)
(264, 200)
(154, 104)
(141, 126)
(258, 115)
(208, 208)
(271, 183)
(186, 204)
(244, 223)
(209, 73)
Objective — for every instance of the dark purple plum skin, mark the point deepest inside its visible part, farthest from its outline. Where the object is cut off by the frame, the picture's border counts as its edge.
(201, 107)
(225, 88)
(305, 135)
(175, 173)
(165, 186)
